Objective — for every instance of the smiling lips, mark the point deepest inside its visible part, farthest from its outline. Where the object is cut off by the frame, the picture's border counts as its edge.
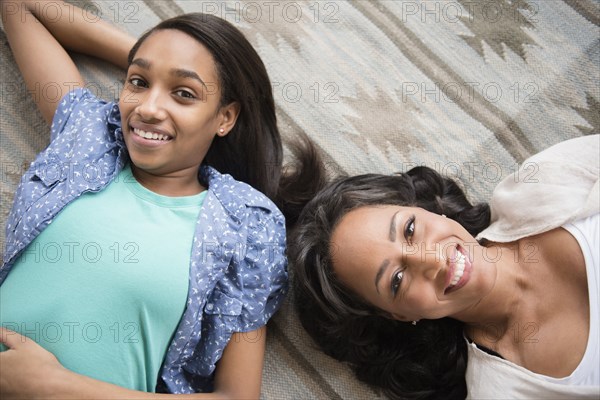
(151, 135)
(459, 271)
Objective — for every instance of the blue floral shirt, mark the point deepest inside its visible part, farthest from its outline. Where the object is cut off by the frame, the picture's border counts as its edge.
(238, 268)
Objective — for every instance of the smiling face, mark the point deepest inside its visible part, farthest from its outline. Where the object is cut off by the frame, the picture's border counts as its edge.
(170, 107)
(411, 263)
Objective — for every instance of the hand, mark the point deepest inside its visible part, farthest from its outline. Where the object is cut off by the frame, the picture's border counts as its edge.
(24, 367)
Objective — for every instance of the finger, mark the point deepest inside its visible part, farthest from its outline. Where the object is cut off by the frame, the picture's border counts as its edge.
(11, 339)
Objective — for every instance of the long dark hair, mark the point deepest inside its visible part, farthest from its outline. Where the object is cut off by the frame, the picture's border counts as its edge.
(252, 151)
(426, 361)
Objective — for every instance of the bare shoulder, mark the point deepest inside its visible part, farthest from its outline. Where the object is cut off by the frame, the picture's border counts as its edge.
(562, 253)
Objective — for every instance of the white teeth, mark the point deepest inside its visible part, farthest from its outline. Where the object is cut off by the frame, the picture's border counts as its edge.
(459, 268)
(150, 135)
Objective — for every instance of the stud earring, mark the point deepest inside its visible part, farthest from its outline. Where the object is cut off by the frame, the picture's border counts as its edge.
(415, 322)
(444, 215)
(221, 130)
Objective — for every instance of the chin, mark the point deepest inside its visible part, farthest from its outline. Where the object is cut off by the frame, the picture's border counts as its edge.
(142, 164)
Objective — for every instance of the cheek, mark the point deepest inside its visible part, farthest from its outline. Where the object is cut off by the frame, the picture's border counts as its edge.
(423, 301)
(126, 105)
(125, 97)
(199, 124)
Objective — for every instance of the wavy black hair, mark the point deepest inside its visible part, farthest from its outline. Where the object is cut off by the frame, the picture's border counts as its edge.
(252, 151)
(423, 361)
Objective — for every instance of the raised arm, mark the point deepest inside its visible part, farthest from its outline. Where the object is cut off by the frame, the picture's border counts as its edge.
(40, 31)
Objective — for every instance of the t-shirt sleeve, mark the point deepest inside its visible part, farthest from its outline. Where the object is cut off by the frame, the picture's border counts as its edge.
(250, 292)
(263, 270)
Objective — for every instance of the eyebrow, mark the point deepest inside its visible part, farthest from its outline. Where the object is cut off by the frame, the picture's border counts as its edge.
(392, 235)
(384, 266)
(179, 72)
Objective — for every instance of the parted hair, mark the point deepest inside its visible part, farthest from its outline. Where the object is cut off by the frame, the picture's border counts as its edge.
(252, 151)
(423, 361)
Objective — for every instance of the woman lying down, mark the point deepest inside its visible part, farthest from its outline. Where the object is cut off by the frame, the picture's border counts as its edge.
(429, 296)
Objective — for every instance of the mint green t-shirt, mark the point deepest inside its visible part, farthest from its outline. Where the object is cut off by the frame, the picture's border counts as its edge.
(104, 286)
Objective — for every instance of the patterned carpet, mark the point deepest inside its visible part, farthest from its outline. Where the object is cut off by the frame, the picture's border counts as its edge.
(470, 88)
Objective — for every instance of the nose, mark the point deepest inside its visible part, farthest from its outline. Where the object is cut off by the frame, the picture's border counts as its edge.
(426, 258)
(152, 106)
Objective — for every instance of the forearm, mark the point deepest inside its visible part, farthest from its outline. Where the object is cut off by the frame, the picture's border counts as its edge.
(75, 29)
(31, 372)
(65, 384)
(238, 376)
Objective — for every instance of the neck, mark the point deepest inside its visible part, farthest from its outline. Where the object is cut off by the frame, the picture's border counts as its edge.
(491, 317)
(175, 184)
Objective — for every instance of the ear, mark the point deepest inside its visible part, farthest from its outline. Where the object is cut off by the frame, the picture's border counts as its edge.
(228, 116)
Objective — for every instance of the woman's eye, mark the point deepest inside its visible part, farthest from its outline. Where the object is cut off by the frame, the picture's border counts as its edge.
(137, 82)
(185, 94)
(397, 281)
(409, 229)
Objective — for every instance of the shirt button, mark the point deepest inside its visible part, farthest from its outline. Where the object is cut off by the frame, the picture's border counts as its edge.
(209, 306)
